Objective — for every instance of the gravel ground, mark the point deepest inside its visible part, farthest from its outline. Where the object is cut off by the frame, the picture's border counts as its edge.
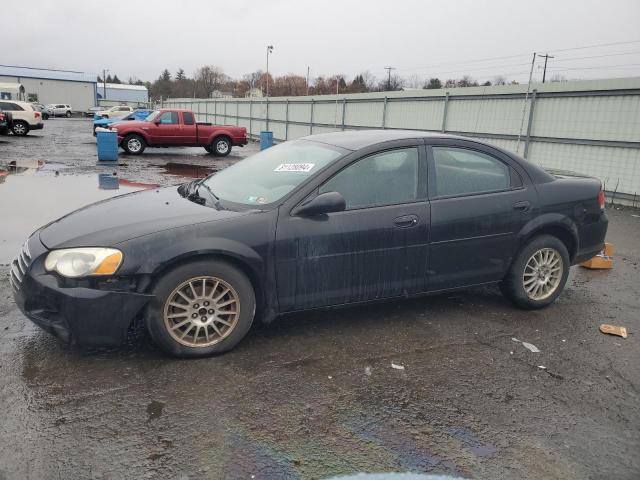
(315, 394)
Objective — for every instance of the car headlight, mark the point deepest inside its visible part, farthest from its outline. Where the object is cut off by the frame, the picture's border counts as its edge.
(81, 262)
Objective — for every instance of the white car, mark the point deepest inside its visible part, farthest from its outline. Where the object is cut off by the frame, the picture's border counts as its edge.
(117, 111)
(59, 110)
(25, 118)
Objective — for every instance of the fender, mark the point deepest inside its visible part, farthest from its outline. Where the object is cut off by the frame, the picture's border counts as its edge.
(137, 130)
(218, 133)
(546, 220)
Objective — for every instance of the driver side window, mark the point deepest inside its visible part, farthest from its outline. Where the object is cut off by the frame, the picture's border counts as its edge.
(386, 178)
(169, 118)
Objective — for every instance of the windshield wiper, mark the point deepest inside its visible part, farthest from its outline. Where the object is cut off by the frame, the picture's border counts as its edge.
(216, 202)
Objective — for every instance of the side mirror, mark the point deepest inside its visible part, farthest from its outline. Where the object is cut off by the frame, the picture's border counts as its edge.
(324, 203)
(157, 122)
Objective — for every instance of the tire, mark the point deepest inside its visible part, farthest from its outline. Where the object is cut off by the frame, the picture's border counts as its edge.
(68, 114)
(45, 116)
(20, 128)
(209, 148)
(212, 331)
(4, 131)
(531, 288)
(221, 146)
(134, 144)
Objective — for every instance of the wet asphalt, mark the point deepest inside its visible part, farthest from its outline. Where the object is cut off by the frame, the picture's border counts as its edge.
(314, 395)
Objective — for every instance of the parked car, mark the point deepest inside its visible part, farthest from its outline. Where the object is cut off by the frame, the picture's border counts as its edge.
(25, 118)
(91, 111)
(42, 109)
(326, 220)
(178, 128)
(5, 122)
(60, 110)
(139, 114)
(117, 111)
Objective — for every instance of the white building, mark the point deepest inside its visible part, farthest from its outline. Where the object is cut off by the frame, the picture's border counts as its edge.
(77, 89)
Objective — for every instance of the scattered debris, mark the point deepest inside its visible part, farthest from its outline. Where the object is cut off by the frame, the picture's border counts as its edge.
(397, 367)
(613, 330)
(367, 371)
(329, 377)
(542, 367)
(603, 260)
(529, 346)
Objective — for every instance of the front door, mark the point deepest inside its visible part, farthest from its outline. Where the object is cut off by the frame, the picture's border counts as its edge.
(479, 203)
(167, 131)
(376, 248)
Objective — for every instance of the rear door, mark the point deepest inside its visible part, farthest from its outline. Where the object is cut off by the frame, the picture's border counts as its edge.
(376, 248)
(167, 131)
(480, 200)
(189, 131)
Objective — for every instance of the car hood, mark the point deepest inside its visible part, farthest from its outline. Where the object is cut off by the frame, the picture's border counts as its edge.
(122, 218)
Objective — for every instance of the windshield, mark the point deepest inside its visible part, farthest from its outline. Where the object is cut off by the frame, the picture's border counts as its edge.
(268, 176)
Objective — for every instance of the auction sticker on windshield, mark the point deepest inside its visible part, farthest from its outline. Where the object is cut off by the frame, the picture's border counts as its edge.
(294, 167)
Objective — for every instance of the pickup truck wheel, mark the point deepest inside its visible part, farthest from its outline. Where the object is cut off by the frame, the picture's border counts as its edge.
(201, 308)
(134, 144)
(20, 128)
(209, 148)
(538, 274)
(221, 147)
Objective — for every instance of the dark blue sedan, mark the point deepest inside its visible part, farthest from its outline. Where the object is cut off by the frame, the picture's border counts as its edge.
(326, 220)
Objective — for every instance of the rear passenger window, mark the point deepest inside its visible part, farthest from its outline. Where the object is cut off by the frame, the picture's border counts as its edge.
(169, 118)
(12, 107)
(459, 171)
(188, 118)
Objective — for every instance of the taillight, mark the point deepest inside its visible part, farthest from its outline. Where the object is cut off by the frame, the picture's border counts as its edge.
(601, 199)
(37, 114)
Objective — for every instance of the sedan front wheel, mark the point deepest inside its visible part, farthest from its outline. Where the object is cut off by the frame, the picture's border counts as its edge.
(201, 308)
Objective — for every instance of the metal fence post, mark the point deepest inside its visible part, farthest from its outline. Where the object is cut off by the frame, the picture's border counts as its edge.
(286, 122)
(529, 124)
(344, 108)
(444, 112)
(311, 119)
(250, 118)
(237, 112)
(384, 113)
(215, 111)
(267, 118)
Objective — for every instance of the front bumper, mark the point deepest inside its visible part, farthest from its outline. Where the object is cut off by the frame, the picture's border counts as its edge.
(73, 314)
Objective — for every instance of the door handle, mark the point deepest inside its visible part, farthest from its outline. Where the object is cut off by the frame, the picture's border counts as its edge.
(523, 206)
(405, 221)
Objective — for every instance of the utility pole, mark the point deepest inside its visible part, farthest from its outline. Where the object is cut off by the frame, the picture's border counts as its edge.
(544, 72)
(269, 50)
(104, 83)
(308, 70)
(388, 69)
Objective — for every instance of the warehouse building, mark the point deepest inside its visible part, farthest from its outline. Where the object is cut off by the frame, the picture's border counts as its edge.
(118, 93)
(46, 86)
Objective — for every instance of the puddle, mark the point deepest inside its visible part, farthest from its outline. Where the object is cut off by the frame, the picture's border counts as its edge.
(154, 410)
(33, 197)
(188, 170)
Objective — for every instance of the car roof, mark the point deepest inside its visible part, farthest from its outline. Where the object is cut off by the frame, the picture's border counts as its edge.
(357, 139)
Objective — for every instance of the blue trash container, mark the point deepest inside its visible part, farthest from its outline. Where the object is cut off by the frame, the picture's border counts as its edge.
(107, 146)
(266, 139)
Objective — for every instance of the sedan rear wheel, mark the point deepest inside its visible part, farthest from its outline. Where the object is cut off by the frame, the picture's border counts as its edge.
(201, 308)
(538, 274)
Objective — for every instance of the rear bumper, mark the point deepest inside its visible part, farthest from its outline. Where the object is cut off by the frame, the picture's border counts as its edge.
(73, 314)
(240, 142)
(37, 126)
(592, 237)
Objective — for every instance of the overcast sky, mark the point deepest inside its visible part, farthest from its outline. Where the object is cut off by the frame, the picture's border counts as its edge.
(427, 38)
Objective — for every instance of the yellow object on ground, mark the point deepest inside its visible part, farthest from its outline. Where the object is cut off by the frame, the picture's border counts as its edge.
(613, 330)
(604, 260)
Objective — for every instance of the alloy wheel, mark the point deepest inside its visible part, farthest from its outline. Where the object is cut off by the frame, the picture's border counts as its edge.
(222, 147)
(134, 145)
(19, 128)
(201, 311)
(542, 274)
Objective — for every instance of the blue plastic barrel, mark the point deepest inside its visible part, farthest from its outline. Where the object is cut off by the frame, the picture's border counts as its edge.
(266, 139)
(107, 146)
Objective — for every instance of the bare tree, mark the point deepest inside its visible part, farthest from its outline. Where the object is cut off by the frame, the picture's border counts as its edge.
(209, 79)
(414, 81)
(499, 80)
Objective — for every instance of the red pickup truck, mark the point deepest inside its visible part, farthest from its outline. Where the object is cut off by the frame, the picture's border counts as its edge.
(177, 128)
